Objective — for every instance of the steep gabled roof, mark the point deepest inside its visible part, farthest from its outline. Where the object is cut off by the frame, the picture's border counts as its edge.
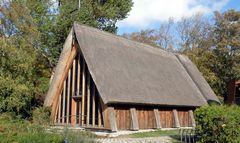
(125, 71)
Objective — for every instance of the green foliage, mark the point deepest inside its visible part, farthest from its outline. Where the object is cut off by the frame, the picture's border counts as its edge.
(22, 131)
(17, 130)
(218, 124)
(41, 116)
(32, 34)
(16, 73)
(101, 14)
(226, 50)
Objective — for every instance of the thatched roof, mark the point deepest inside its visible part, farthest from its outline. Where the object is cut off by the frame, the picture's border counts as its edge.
(125, 71)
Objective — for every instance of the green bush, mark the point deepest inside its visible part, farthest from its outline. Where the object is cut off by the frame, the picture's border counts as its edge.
(218, 124)
(41, 116)
(14, 129)
(22, 131)
(17, 130)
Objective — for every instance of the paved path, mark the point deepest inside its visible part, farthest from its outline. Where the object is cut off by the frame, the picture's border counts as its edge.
(164, 139)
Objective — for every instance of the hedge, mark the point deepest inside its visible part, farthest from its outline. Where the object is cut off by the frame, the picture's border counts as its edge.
(218, 124)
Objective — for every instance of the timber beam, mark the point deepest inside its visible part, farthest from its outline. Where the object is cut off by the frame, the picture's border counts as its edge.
(112, 119)
(157, 119)
(134, 119)
(191, 116)
(176, 120)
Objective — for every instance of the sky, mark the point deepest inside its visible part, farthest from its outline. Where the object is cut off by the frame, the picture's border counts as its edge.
(149, 14)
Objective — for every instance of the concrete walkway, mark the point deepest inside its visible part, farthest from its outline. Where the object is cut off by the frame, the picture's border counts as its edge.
(163, 139)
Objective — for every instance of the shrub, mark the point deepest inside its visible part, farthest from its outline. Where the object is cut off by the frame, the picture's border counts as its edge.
(22, 131)
(218, 124)
(41, 116)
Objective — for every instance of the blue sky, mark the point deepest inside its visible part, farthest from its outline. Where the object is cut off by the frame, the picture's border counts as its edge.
(148, 14)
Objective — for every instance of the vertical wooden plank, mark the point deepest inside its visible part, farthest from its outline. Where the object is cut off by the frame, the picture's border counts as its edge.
(124, 118)
(112, 119)
(80, 112)
(128, 120)
(59, 107)
(99, 116)
(105, 114)
(134, 119)
(176, 120)
(73, 114)
(88, 97)
(78, 75)
(64, 98)
(78, 86)
(68, 95)
(180, 118)
(83, 92)
(191, 116)
(56, 117)
(157, 119)
(93, 106)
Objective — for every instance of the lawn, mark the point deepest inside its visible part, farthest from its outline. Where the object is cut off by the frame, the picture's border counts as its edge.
(155, 133)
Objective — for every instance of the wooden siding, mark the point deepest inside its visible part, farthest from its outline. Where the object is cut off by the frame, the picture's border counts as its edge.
(123, 118)
(147, 120)
(166, 116)
(184, 119)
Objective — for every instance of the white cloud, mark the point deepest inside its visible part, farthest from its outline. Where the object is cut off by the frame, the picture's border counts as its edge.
(146, 12)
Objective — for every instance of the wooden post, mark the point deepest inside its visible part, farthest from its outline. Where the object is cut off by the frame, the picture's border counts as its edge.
(83, 92)
(59, 108)
(68, 94)
(64, 97)
(78, 86)
(191, 116)
(78, 75)
(88, 97)
(112, 119)
(93, 106)
(176, 120)
(99, 116)
(134, 119)
(55, 119)
(73, 114)
(157, 119)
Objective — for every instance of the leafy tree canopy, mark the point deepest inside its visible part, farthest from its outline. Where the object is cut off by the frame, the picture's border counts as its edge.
(32, 33)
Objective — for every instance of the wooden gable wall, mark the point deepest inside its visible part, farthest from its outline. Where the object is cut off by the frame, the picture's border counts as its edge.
(79, 101)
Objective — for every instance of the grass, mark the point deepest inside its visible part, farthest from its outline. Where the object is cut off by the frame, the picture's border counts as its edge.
(155, 133)
(14, 130)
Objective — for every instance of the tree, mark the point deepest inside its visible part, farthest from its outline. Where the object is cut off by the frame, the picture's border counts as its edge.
(165, 38)
(31, 30)
(195, 41)
(102, 14)
(145, 36)
(194, 32)
(23, 77)
(226, 48)
(161, 38)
